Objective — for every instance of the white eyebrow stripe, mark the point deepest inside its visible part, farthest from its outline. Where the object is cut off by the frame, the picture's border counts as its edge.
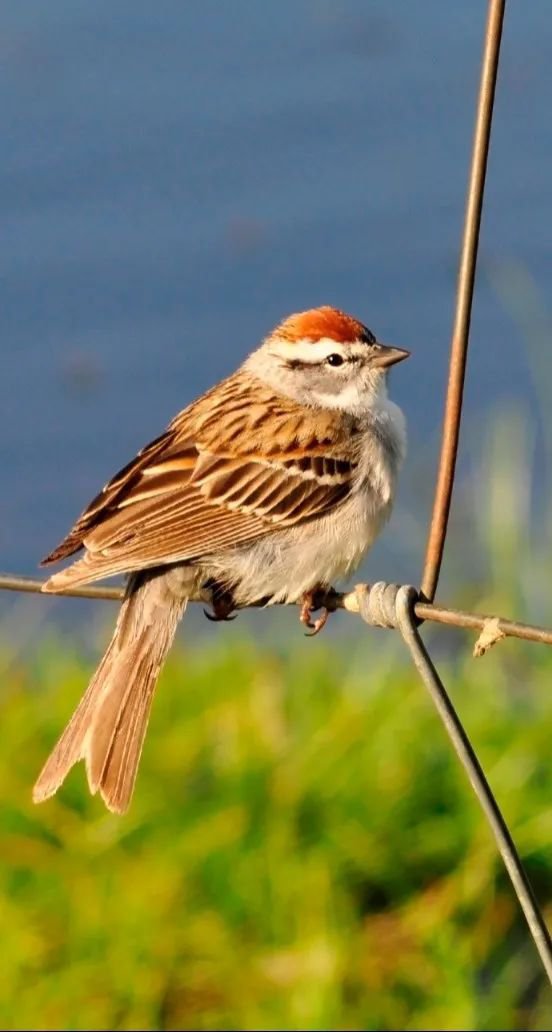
(316, 351)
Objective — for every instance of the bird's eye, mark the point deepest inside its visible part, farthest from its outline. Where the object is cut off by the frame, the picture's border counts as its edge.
(334, 360)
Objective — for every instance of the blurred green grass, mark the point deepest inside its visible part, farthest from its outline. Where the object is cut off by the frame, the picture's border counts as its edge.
(302, 850)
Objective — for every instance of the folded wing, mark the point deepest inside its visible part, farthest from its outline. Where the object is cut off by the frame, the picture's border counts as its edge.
(218, 477)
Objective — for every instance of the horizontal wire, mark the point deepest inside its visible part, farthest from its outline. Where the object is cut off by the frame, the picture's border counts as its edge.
(332, 600)
(32, 585)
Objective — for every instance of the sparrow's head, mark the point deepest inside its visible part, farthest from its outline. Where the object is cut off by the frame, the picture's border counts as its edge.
(325, 358)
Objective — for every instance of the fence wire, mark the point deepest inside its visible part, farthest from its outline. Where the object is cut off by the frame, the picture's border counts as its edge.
(401, 608)
(464, 300)
(490, 623)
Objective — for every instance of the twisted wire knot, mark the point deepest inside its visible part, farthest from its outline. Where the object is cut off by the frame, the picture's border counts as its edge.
(377, 603)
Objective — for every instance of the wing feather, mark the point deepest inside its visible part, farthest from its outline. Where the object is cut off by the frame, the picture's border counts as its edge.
(210, 482)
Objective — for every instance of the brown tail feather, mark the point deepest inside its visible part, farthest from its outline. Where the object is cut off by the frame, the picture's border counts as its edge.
(108, 727)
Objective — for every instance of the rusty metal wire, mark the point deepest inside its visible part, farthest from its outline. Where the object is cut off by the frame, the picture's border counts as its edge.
(333, 600)
(464, 298)
(32, 585)
(408, 607)
(406, 623)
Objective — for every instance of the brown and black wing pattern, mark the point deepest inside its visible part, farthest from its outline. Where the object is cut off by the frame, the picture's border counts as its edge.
(212, 481)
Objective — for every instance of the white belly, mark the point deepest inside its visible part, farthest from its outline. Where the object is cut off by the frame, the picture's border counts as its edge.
(284, 565)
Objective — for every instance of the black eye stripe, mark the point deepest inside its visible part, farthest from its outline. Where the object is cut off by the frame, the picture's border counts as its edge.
(297, 363)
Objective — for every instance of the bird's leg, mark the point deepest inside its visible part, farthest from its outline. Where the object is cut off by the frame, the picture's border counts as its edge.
(310, 601)
(222, 603)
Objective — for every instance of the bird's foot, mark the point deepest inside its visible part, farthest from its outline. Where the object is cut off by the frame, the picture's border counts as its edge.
(311, 601)
(222, 604)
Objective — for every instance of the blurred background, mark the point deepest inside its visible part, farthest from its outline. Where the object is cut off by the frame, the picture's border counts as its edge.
(302, 852)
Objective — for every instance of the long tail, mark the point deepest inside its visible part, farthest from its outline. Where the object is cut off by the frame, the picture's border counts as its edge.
(108, 727)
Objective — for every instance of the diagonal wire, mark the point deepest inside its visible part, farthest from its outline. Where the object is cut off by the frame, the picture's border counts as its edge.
(406, 622)
(464, 297)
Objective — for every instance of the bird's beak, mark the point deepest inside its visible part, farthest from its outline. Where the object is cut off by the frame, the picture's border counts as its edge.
(388, 356)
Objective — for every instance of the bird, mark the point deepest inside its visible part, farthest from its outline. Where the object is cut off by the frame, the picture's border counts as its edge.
(266, 489)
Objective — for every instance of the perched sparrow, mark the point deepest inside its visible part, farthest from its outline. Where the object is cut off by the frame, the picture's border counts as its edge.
(268, 487)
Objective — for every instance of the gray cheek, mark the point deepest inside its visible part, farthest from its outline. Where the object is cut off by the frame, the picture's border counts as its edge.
(318, 380)
(308, 385)
(325, 380)
(321, 383)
